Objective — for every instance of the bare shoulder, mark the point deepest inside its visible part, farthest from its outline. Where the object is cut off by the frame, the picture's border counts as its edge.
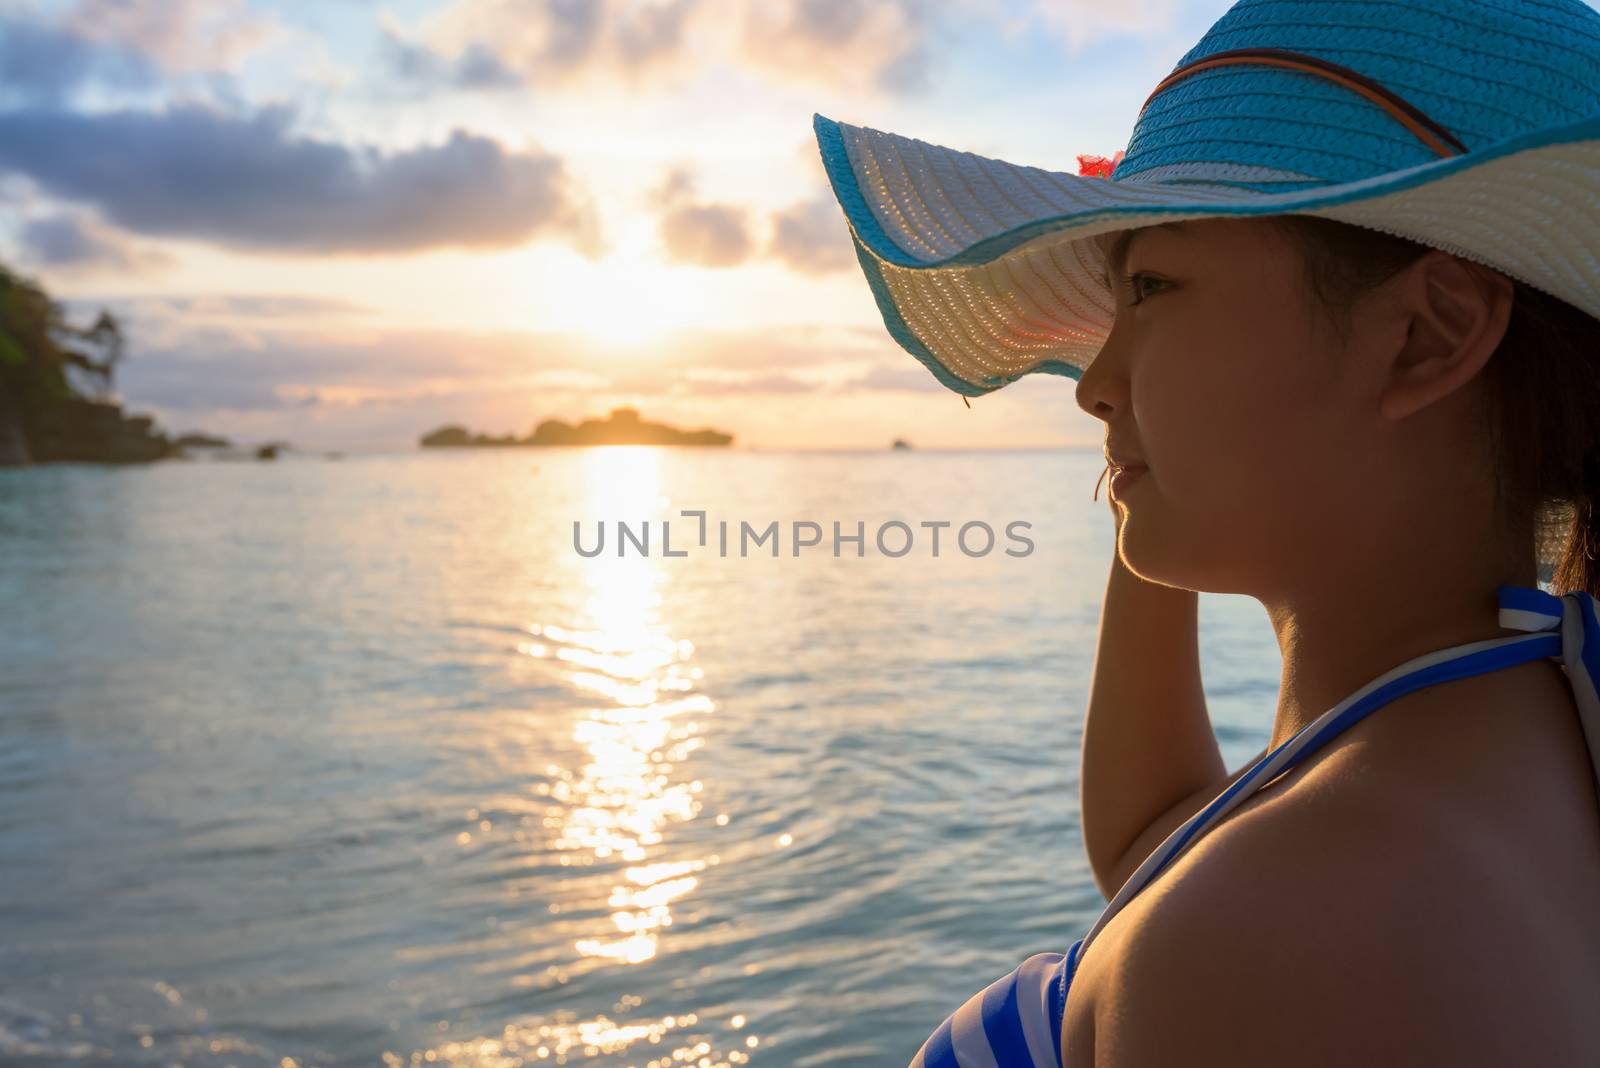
(1339, 927)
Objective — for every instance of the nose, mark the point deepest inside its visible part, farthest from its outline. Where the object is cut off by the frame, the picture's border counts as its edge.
(1103, 387)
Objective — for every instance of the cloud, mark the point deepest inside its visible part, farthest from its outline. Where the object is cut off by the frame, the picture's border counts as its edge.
(221, 307)
(180, 35)
(701, 235)
(706, 235)
(698, 385)
(838, 44)
(813, 237)
(78, 245)
(474, 67)
(652, 30)
(674, 190)
(44, 64)
(267, 352)
(316, 373)
(1084, 23)
(900, 378)
(246, 181)
(557, 41)
(859, 44)
(211, 368)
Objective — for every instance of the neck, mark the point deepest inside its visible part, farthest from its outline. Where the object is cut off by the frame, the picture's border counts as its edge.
(1351, 626)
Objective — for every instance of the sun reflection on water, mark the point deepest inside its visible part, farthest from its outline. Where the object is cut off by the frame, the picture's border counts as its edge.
(621, 800)
(560, 1042)
(618, 805)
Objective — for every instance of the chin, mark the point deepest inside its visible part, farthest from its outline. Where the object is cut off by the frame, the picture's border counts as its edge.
(1179, 564)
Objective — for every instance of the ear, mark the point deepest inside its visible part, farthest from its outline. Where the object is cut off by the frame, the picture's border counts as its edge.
(1457, 312)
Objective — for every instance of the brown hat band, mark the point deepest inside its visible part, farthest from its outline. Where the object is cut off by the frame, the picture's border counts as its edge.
(1427, 131)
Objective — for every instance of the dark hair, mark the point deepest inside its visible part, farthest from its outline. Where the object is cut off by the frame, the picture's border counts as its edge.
(1543, 396)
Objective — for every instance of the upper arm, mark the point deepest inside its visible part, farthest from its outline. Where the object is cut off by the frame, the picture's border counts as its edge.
(1163, 825)
(1310, 957)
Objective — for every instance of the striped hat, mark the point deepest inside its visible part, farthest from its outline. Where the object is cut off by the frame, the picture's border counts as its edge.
(1471, 126)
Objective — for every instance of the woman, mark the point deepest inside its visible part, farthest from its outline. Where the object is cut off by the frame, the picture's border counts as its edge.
(1423, 888)
(1380, 439)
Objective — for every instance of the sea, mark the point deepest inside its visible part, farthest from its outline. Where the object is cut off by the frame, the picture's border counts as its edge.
(391, 760)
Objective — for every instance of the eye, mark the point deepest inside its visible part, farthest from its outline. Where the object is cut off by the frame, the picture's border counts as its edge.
(1132, 282)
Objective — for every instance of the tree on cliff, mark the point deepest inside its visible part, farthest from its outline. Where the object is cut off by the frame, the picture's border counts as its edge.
(55, 384)
(38, 357)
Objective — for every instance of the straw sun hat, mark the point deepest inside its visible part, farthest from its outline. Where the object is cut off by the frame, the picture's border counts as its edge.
(1471, 126)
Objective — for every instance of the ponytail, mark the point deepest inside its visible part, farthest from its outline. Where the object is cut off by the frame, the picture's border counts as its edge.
(1578, 566)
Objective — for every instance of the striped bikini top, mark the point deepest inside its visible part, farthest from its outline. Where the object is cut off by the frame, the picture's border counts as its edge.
(1015, 1022)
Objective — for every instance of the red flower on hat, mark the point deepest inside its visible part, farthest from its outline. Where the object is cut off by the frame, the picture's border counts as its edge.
(1098, 166)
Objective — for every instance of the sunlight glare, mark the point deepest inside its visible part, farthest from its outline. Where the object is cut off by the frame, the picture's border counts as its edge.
(620, 801)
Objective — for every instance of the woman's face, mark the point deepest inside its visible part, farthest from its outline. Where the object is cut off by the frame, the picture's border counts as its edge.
(1221, 380)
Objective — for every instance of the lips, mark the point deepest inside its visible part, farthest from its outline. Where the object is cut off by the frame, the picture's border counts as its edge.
(1123, 477)
(1123, 461)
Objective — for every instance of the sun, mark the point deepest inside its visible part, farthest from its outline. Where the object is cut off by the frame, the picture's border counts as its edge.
(627, 299)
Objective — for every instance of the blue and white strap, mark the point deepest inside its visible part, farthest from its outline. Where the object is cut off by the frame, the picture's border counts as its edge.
(1576, 644)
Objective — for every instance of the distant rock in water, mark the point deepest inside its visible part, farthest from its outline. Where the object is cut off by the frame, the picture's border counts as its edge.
(449, 437)
(900, 443)
(202, 441)
(622, 427)
(446, 437)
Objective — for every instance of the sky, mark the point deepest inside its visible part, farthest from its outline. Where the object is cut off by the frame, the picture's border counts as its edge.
(345, 223)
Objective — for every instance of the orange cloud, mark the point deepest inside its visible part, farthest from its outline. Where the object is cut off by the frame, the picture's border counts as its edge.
(701, 235)
(839, 44)
(813, 237)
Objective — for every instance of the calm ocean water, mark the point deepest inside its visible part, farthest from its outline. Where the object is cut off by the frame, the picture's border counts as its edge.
(359, 762)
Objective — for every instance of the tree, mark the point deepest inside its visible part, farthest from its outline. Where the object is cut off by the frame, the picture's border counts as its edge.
(55, 383)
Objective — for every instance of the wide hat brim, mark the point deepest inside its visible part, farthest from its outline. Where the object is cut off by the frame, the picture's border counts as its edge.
(985, 270)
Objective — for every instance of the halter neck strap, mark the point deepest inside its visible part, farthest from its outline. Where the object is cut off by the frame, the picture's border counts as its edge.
(1577, 645)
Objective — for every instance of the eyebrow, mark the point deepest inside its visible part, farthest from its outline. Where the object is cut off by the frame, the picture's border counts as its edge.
(1118, 254)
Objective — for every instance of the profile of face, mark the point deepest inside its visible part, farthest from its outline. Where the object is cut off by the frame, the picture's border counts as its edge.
(1272, 443)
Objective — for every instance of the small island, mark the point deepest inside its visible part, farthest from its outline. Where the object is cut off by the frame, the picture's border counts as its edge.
(622, 427)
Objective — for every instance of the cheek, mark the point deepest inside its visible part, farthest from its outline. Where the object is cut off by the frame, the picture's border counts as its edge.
(1223, 427)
